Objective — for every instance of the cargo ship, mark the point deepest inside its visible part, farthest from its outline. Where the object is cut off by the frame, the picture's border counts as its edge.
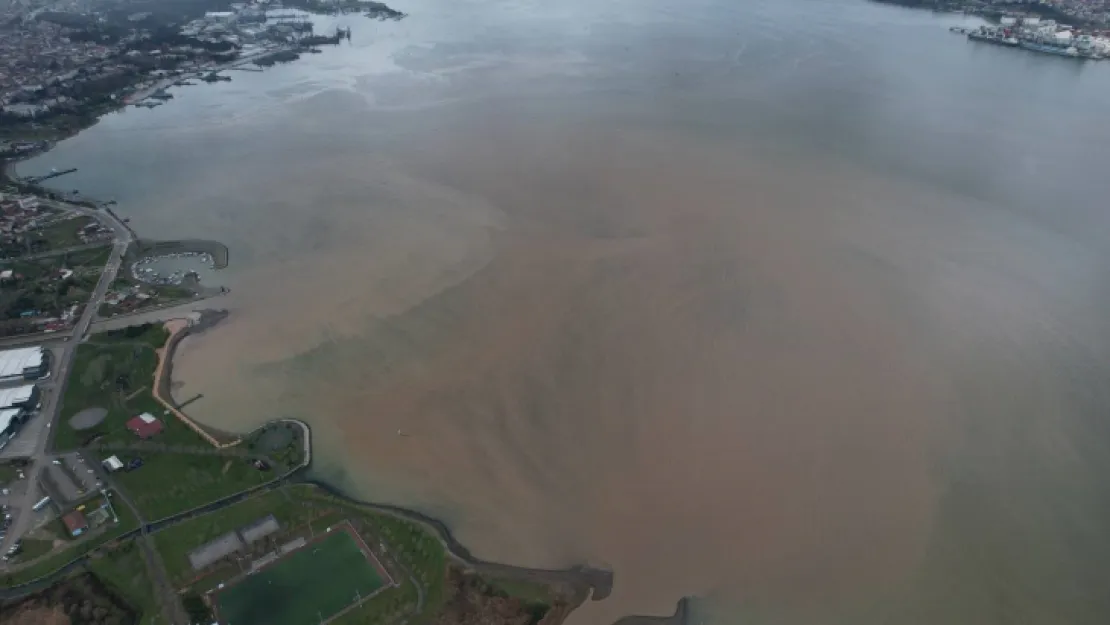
(989, 37)
(1045, 48)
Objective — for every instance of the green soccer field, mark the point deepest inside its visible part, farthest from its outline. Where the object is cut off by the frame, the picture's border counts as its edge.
(312, 584)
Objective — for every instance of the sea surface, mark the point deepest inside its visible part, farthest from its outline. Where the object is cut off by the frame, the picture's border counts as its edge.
(800, 307)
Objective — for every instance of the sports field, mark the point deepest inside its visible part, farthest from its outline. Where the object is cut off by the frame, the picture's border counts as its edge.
(308, 586)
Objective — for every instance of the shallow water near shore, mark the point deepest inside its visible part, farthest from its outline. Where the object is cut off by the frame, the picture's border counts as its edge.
(795, 306)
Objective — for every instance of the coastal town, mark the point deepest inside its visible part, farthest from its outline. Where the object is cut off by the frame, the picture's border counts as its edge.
(117, 507)
(63, 64)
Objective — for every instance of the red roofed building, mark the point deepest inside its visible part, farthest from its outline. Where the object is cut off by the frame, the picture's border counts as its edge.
(75, 523)
(145, 425)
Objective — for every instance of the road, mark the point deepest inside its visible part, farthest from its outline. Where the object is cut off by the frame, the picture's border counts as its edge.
(51, 403)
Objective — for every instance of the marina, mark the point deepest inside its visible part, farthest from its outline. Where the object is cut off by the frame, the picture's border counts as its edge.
(172, 269)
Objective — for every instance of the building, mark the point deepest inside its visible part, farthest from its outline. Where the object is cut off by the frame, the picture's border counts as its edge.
(75, 523)
(10, 420)
(20, 365)
(145, 426)
(112, 463)
(25, 397)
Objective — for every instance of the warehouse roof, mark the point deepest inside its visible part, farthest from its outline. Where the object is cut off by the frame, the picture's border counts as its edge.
(7, 415)
(14, 361)
(17, 395)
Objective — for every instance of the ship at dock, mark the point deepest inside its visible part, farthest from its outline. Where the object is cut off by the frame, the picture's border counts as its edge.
(995, 36)
(1041, 36)
(1047, 48)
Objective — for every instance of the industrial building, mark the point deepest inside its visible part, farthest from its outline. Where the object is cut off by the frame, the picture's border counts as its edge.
(10, 420)
(23, 364)
(25, 397)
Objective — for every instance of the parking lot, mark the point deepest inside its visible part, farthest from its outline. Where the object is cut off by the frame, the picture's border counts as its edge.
(11, 498)
(69, 478)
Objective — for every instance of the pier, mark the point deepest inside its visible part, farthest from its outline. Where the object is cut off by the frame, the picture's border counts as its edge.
(53, 174)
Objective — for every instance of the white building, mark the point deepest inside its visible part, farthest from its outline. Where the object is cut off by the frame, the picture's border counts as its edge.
(25, 396)
(20, 365)
(10, 420)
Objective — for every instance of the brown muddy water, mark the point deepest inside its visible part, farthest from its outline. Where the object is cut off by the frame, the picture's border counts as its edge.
(798, 307)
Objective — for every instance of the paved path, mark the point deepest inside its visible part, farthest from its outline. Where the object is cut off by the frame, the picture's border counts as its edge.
(168, 598)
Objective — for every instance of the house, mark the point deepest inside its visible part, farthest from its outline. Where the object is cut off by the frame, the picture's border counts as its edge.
(145, 425)
(75, 523)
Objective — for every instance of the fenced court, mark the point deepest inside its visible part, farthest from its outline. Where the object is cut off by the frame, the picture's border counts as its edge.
(308, 586)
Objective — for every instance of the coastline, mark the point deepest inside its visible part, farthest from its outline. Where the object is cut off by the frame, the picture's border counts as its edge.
(588, 582)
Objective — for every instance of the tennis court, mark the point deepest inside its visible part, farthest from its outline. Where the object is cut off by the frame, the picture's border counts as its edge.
(305, 587)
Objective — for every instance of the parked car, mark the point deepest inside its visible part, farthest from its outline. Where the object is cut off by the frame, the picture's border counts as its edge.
(134, 464)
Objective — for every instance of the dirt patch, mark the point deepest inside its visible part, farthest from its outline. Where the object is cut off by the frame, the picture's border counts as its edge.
(474, 601)
(35, 615)
(88, 418)
(82, 600)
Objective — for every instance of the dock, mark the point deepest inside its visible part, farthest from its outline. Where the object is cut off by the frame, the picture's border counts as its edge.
(53, 174)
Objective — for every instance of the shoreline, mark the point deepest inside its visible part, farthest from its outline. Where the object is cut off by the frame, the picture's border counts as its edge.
(588, 583)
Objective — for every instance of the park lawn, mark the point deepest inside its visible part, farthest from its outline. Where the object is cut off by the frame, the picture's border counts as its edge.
(124, 570)
(77, 548)
(35, 547)
(310, 584)
(63, 233)
(170, 482)
(281, 442)
(117, 374)
(286, 504)
(153, 335)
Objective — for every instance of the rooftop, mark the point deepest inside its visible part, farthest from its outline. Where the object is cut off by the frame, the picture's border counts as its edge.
(15, 396)
(14, 361)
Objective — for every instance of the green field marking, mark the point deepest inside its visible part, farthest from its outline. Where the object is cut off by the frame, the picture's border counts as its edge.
(315, 582)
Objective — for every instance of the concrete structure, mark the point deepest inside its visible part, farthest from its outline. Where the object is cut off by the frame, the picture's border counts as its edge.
(145, 426)
(212, 551)
(259, 529)
(75, 523)
(23, 364)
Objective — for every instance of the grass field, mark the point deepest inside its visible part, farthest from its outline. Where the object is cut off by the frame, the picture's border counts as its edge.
(115, 371)
(311, 584)
(124, 571)
(168, 482)
(77, 548)
(176, 541)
